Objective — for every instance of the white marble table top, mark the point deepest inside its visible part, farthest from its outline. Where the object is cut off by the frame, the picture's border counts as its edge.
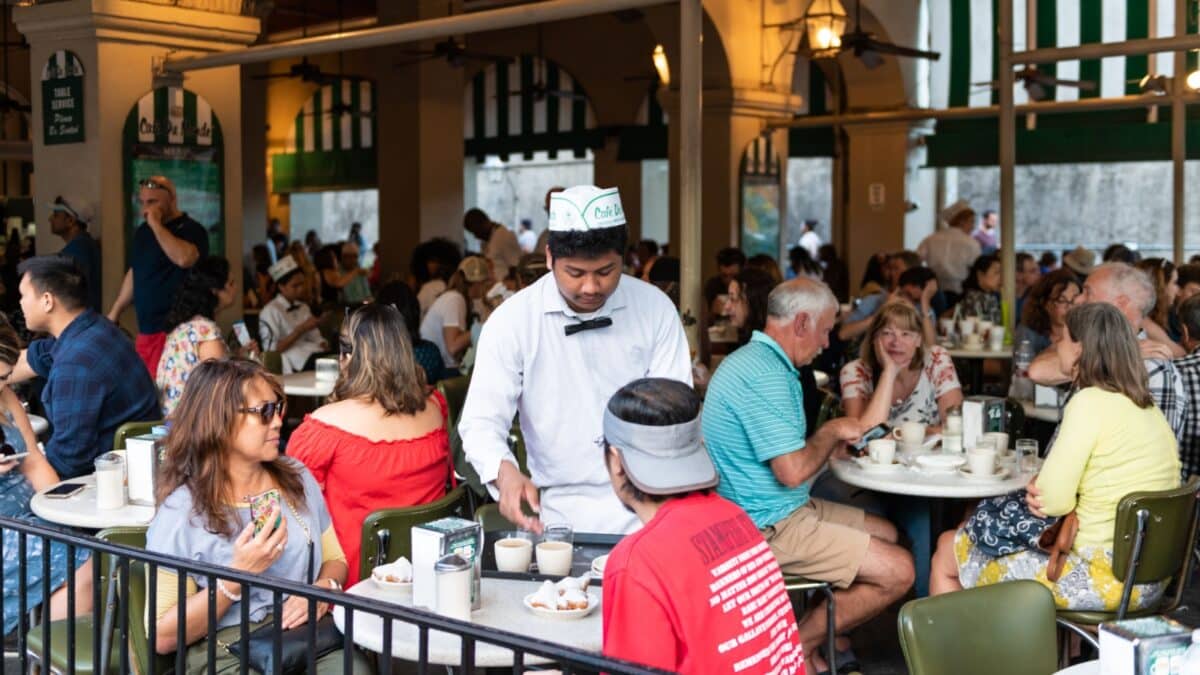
(79, 510)
(306, 384)
(502, 608)
(918, 483)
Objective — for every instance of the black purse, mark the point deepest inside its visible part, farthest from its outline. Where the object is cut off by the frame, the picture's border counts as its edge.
(295, 644)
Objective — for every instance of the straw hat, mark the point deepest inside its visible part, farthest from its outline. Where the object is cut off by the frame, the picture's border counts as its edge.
(1081, 260)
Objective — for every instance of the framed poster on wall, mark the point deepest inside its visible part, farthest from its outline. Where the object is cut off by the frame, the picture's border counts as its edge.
(173, 132)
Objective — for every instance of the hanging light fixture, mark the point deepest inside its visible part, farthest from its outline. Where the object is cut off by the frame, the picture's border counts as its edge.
(661, 66)
(1193, 80)
(1155, 84)
(824, 23)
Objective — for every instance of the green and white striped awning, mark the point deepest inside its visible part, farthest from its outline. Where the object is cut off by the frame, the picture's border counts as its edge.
(331, 145)
(62, 64)
(503, 116)
(175, 116)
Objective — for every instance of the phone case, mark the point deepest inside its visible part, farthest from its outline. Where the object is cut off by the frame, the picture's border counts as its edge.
(243, 334)
(261, 507)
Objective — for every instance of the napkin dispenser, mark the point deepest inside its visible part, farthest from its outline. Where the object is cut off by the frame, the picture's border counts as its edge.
(982, 414)
(435, 540)
(141, 466)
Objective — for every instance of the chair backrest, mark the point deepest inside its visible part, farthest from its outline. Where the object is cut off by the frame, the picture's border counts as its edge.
(139, 642)
(454, 390)
(998, 629)
(489, 517)
(831, 407)
(273, 362)
(1170, 532)
(130, 429)
(387, 533)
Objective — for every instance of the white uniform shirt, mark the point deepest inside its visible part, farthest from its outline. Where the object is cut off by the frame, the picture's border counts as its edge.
(950, 253)
(277, 323)
(560, 385)
(503, 250)
(811, 242)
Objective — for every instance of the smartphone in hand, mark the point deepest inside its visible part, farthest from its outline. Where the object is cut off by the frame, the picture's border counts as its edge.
(261, 508)
(242, 333)
(877, 431)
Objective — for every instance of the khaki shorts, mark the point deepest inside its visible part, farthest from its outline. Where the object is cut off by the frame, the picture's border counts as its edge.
(821, 540)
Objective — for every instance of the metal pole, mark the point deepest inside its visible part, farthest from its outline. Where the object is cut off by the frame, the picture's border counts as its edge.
(691, 110)
(1008, 159)
(1178, 135)
(495, 19)
(1101, 49)
(912, 114)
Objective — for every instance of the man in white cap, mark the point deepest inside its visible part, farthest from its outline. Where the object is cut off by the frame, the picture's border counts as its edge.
(287, 324)
(70, 221)
(556, 352)
(950, 252)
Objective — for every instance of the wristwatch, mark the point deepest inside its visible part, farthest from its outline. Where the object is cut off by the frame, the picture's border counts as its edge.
(333, 584)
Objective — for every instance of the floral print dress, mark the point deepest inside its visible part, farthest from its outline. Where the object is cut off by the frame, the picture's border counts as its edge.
(938, 378)
(180, 356)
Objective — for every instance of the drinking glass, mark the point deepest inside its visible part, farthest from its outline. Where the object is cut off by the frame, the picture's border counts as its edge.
(1027, 455)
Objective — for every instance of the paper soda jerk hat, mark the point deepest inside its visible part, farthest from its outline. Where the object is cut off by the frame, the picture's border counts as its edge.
(585, 207)
(285, 266)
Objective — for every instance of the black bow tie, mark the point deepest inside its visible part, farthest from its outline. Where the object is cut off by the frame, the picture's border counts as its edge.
(602, 322)
(294, 306)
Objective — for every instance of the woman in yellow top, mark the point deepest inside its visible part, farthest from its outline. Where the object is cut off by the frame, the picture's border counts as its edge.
(224, 448)
(1112, 441)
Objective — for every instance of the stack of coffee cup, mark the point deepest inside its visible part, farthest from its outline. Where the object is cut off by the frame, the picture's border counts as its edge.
(970, 338)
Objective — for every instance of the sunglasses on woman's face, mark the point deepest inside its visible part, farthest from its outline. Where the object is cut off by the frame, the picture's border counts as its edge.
(345, 348)
(267, 411)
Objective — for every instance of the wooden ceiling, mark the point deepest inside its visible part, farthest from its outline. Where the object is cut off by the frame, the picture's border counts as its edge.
(285, 15)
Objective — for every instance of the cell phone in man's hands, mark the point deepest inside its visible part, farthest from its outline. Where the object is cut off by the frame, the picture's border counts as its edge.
(877, 431)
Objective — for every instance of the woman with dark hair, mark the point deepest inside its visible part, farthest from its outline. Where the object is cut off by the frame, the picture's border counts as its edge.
(1112, 441)
(874, 278)
(20, 479)
(333, 279)
(1166, 288)
(192, 332)
(221, 454)
(381, 417)
(981, 289)
(1044, 319)
(747, 306)
(428, 357)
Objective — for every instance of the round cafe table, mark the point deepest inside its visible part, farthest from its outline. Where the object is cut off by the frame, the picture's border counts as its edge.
(80, 510)
(923, 528)
(502, 608)
(306, 384)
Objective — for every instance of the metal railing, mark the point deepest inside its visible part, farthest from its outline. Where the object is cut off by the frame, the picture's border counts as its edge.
(124, 561)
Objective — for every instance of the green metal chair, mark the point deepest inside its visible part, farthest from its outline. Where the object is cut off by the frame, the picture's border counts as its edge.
(130, 429)
(989, 630)
(387, 533)
(1154, 533)
(454, 390)
(831, 407)
(489, 517)
(799, 588)
(85, 657)
(273, 362)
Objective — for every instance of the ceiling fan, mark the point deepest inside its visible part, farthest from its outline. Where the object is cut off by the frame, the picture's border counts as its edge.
(1037, 83)
(454, 52)
(868, 49)
(307, 71)
(539, 90)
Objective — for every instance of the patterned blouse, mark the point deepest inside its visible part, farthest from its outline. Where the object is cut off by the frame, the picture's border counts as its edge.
(938, 378)
(180, 355)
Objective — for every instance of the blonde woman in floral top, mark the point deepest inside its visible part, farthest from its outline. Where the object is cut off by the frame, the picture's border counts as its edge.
(192, 334)
(899, 376)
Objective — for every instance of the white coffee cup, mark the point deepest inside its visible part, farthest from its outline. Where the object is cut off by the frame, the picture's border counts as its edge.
(554, 558)
(513, 554)
(947, 326)
(973, 341)
(882, 451)
(982, 460)
(996, 338)
(983, 326)
(967, 326)
(997, 440)
(910, 434)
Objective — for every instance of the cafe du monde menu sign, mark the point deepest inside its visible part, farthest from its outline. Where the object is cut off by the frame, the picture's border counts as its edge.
(62, 99)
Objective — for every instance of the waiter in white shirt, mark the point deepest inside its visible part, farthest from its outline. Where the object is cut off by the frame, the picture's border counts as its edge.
(556, 352)
(286, 323)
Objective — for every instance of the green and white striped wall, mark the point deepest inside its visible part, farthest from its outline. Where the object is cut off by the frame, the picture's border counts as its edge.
(497, 123)
(330, 147)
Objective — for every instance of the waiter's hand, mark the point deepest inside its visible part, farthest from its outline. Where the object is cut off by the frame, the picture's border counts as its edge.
(516, 488)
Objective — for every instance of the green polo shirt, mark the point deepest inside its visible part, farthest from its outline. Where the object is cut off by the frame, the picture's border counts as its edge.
(754, 412)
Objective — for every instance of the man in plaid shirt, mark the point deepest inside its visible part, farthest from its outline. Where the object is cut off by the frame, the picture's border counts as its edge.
(1131, 291)
(95, 381)
(1189, 371)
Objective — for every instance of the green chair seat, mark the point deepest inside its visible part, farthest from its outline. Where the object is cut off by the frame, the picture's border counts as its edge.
(84, 663)
(997, 629)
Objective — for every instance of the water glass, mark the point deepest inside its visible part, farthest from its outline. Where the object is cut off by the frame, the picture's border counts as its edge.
(1027, 455)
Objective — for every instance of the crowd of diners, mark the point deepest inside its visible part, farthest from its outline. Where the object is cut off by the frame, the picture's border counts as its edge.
(700, 459)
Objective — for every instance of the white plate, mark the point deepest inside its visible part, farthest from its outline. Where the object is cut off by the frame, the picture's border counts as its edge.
(394, 568)
(598, 565)
(1000, 474)
(562, 614)
(866, 464)
(941, 463)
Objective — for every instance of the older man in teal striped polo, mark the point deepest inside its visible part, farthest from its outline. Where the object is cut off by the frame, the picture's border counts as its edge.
(754, 426)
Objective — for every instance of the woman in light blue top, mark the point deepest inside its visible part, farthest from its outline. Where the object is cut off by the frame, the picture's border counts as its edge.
(223, 452)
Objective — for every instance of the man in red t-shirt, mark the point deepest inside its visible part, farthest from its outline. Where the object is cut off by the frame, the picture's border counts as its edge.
(697, 589)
